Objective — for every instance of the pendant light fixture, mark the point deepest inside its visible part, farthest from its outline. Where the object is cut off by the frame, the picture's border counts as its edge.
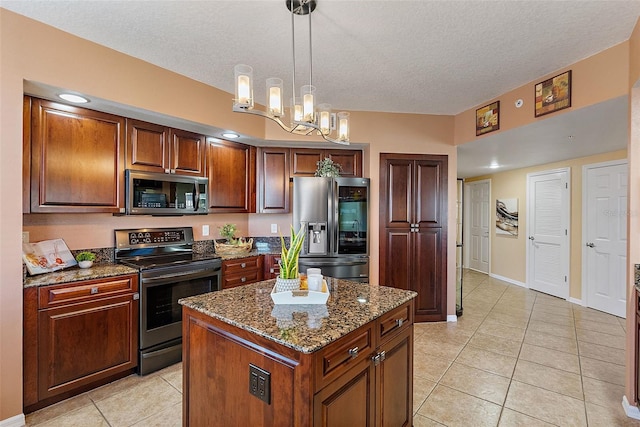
(306, 116)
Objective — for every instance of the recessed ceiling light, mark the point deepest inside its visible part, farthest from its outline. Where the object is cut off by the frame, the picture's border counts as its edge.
(73, 98)
(230, 135)
(494, 166)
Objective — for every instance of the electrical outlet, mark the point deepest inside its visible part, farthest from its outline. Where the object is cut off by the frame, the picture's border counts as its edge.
(25, 237)
(205, 230)
(274, 228)
(260, 383)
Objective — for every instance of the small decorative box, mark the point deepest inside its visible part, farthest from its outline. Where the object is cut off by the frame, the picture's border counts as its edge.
(301, 296)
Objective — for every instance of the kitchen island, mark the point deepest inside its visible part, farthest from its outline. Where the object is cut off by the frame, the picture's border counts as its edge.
(249, 362)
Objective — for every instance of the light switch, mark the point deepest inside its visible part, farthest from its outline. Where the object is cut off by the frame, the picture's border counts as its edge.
(205, 230)
(274, 228)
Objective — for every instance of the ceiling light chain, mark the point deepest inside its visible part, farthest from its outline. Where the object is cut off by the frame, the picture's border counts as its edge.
(306, 118)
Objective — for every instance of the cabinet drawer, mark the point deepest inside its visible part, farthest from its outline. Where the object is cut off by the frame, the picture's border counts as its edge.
(396, 320)
(338, 357)
(240, 265)
(246, 277)
(65, 294)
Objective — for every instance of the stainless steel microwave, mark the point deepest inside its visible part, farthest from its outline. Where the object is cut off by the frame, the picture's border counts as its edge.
(149, 193)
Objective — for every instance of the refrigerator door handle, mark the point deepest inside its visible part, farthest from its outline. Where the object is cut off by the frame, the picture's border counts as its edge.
(324, 263)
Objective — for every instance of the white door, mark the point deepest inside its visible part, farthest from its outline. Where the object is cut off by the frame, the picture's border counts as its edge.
(479, 226)
(605, 237)
(548, 232)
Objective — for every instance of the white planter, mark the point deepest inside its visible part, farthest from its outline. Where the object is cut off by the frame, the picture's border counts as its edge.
(283, 285)
(85, 264)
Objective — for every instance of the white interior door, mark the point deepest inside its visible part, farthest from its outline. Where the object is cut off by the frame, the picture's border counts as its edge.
(479, 226)
(548, 213)
(604, 257)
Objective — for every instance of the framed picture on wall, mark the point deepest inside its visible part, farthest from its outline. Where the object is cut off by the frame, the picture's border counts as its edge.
(553, 94)
(488, 118)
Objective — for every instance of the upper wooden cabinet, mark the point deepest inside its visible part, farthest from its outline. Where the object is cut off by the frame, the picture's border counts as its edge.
(77, 158)
(156, 148)
(273, 180)
(304, 161)
(232, 177)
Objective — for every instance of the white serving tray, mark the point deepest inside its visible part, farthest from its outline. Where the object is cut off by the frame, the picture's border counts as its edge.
(301, 297)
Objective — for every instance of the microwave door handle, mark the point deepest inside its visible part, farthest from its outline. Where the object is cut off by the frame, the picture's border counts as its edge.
(196, 193)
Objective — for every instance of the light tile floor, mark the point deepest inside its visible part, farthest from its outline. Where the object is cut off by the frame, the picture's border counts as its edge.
(515, 358)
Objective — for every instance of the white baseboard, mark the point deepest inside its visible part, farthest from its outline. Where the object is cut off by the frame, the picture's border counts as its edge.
(632, 411)
(506, 279)
(575, 300)
(452, 318)
(17, 421)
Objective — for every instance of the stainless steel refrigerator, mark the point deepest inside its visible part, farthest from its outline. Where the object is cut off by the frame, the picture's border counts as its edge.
(334, 213)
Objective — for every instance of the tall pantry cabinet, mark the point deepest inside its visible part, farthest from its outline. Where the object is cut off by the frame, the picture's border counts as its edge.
(413, 229)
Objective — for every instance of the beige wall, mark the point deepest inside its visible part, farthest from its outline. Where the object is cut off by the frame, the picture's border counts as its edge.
(508, 254)
(35, 52)
(593, 80)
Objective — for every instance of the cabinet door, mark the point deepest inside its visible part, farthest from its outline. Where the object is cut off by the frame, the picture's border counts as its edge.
(271, 266)
(430, 193)
(350, 160)
(304, 161)
(395, 271)
(187, 153)
(349, 400)
(147, 146)
(273, 180)
(396, 193)
(394, 401)
(77, 159)
(82, 343)
(428, 277)
(232, 183)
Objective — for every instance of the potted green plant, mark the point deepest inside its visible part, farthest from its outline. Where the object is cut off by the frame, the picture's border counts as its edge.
(289, 279)
(233, 245)
(85, 259)
(327, 168)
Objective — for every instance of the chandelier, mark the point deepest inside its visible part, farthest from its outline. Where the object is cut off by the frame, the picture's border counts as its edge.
(306, 117)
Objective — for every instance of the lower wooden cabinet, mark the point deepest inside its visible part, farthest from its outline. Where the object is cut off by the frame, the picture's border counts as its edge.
(364, 378)
(241, 271)
(78, 336)
(271, 266)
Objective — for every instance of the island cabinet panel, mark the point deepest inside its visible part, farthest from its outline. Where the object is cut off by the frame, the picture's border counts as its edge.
(232, 177)
(273, 180)
(242, 271)
(77, 159)
(363, 378)
(271, 266)
(156, 148)
(78, 336)
(304, 161)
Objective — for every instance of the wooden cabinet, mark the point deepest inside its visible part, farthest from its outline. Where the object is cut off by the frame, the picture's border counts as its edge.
(241, 271)
(273, 180)
(232, 177)
(271, 266)
(78, 336)
(77, 158)
(364, 378)
(304, 161)
(413, 229)
(156, 148)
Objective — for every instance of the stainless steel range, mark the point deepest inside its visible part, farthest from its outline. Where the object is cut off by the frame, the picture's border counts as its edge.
(169, 270)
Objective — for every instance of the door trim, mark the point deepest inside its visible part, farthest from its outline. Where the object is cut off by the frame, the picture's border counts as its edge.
(583, 241)
(567, 251)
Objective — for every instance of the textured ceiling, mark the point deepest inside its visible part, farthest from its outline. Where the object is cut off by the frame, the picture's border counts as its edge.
(430, 57)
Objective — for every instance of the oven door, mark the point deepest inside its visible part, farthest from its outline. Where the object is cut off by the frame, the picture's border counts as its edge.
(160, 290)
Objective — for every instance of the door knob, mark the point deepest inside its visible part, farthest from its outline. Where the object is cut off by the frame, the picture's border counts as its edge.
(591, 245)
(531, 238)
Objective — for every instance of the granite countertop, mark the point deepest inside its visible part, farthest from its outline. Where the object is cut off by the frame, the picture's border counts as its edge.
(252, 252)
(75, 274)
(305, 328)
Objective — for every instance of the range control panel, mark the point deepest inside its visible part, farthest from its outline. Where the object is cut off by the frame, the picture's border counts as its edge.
(146, 237)
(170, 236)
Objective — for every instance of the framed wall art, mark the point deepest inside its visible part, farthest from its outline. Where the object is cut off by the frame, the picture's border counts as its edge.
(488, 118)
(553, 94)
(507, 217)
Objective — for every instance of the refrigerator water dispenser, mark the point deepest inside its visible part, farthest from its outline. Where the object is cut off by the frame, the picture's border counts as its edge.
(317, 237)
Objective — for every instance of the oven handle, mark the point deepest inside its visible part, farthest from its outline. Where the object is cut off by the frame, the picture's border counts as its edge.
(169, 278)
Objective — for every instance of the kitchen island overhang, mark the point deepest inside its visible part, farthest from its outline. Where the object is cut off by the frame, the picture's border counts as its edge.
(247, 361)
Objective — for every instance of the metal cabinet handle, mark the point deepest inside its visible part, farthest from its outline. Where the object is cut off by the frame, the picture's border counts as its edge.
(244, 279)
(399, 322)
(353, 352)
(591, 245)
(243, 265)
(94, 290)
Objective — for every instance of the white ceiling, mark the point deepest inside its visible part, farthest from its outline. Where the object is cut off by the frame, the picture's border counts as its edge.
(431, 57)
